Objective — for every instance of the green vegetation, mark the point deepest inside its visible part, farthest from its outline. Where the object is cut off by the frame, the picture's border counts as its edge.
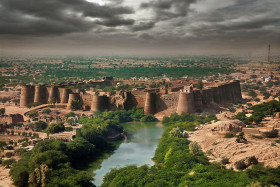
(52, 162)
(33, 114)
(2, 111)
(38, 126)
(85, 68)
(8, 163)
(259, 112)
(55, 128)
(33, 105)
(148, 118)
(271, 134)
(47, 111)
(182, 163)
(70, 114)
(229, 135)
(225, 161)
(76, 104)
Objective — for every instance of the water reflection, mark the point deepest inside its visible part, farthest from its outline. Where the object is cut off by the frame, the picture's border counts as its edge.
(139, 150)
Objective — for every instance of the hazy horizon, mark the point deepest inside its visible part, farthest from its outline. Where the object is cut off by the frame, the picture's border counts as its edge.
(139, 28)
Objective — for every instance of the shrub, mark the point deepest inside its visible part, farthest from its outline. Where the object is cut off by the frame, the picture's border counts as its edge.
(240, 165)
(32, 114)
(195, 148)
(256, 136)
(9, 154)
(271, 134)
(231, 109)
(76, 105)
(252, 160)
(2, 111)
(148, 118)
(225, 161)
(68, 128)
(8, 163)
(70, 114)
(241, 116)
(47, 111)
(229, 135)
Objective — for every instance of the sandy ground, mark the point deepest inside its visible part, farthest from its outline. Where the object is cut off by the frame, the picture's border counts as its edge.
(228, 148)
(5, 179)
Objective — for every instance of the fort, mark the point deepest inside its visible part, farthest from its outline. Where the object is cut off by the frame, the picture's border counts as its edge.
(180, 97)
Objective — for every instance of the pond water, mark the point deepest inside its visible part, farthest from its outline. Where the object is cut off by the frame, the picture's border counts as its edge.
(138, 150)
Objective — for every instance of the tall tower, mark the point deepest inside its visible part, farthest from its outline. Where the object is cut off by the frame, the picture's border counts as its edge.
(268, 69)
(268, 55)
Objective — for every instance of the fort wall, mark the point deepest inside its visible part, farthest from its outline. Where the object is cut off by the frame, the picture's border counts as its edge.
(27, 95)
(72, 97)
(186, 103)
(150, 103)
(99, 103)
(40, 95)
(153, 100)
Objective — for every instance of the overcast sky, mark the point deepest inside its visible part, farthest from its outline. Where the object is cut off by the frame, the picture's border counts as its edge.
(139, 27)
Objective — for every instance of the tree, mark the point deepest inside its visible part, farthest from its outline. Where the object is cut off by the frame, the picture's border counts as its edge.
(40, 176)
(79, 147)
(55, 128)
(38, 125)
(177, 132)
(195, 148)
(241, 116)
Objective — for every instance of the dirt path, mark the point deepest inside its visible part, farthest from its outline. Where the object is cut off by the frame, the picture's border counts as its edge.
(5, 179)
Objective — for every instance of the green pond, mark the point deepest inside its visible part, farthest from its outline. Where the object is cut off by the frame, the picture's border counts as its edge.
(138, 150)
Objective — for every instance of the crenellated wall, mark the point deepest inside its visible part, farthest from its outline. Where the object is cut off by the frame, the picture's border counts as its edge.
(153, 101)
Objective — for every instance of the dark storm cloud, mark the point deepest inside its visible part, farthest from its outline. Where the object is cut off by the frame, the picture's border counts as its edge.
(116, 21)
(166, 9)
(143, 26)
(50, 17)
(157, 24)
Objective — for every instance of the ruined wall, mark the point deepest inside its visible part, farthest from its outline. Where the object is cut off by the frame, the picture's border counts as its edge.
(12, 118)
(87, 101)
(167, 101)
(140, 98)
